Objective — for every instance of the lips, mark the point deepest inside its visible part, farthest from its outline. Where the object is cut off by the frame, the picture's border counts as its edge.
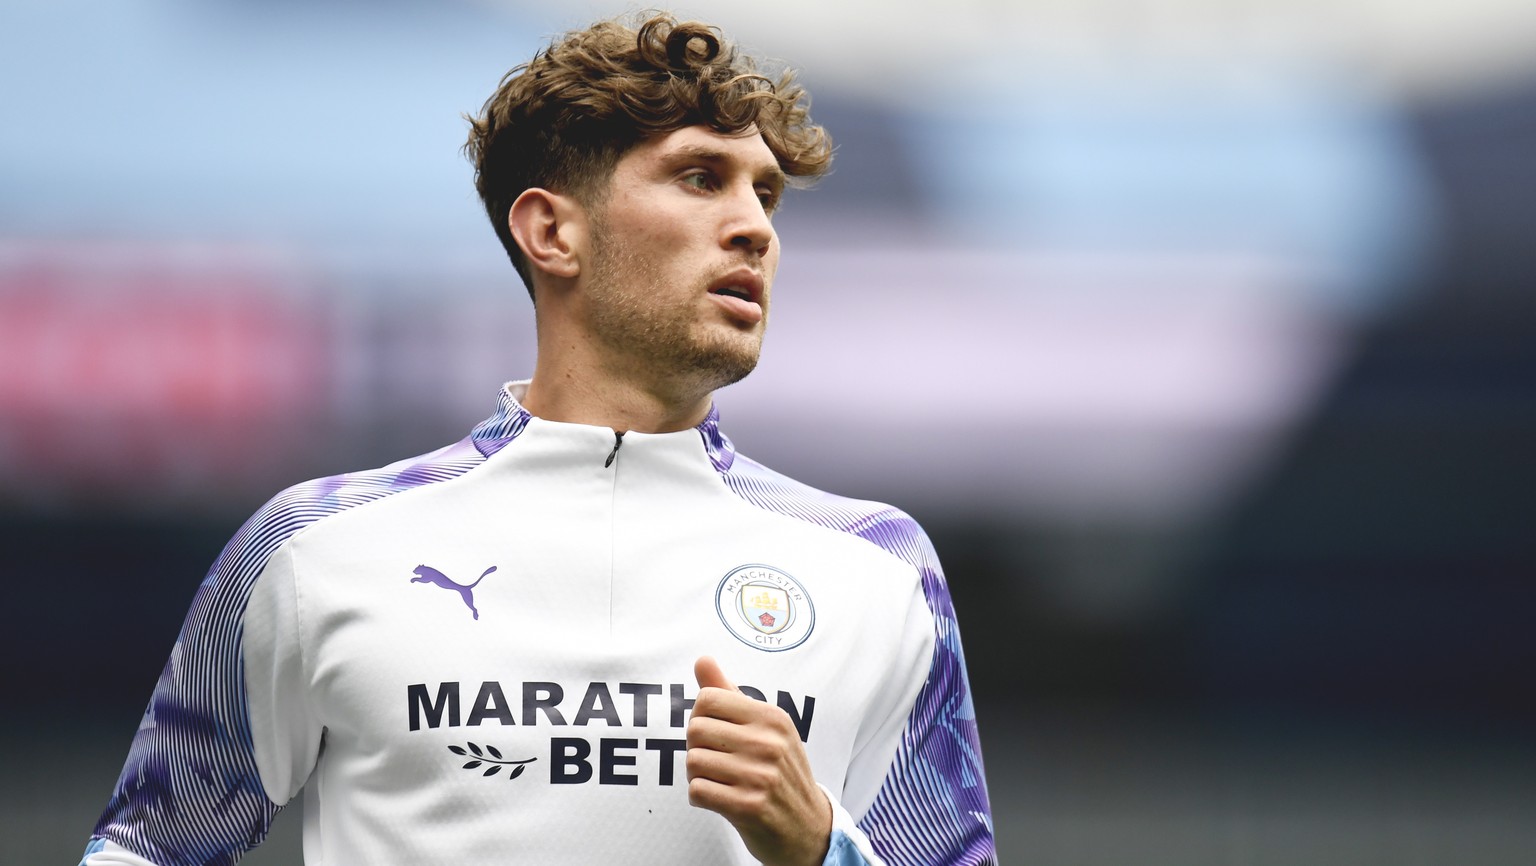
(743, 283)
(740, 294)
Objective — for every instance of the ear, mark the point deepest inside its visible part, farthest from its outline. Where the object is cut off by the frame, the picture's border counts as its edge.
(551, 229)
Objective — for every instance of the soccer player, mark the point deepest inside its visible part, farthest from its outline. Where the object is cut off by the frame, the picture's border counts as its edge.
(591, 631)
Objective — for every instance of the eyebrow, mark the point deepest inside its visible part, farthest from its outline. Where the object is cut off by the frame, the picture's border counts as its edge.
(772, 175)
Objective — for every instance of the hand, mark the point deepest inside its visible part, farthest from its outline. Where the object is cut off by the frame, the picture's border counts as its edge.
(746, 762)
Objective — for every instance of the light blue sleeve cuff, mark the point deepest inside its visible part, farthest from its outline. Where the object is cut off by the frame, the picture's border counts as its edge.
(101, 852)
(848, 845)
(94, 848)
(843, 852)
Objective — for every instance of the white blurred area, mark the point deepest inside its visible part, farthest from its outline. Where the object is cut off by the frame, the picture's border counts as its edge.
(1405, 49)
(1078, 262)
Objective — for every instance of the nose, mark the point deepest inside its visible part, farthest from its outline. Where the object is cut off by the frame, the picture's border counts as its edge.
(748, 227)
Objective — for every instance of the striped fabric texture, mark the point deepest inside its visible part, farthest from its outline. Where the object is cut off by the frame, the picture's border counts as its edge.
(932, 809)
(189, 793)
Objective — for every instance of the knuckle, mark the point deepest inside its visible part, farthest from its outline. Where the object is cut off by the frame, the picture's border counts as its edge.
(782, 722)
(754, 803)
(767, 744)
(701, 732)
(765, 777)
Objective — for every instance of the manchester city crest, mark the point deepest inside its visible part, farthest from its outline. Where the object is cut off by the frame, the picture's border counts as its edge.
(765, 607)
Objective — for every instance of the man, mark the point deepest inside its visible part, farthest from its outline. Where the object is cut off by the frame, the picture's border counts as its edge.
(524, 648)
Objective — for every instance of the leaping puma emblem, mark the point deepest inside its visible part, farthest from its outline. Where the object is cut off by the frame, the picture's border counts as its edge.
(428, 574)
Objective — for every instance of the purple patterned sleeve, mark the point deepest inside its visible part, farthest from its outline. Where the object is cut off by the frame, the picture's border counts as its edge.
(932, 808)
(190, 792)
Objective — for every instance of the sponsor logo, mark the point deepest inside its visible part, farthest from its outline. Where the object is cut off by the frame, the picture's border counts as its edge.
(581, 755)
(765, 607)
(428, 574)
(546, 703)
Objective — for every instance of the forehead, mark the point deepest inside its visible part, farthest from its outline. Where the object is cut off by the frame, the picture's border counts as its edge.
(745, 150)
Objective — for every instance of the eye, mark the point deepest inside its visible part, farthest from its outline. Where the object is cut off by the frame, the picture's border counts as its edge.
(769, 200)
(699, 180)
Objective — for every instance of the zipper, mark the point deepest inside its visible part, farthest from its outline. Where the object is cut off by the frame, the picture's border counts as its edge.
(618, 439)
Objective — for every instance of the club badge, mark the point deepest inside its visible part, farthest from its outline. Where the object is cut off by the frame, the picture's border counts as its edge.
(765, 607)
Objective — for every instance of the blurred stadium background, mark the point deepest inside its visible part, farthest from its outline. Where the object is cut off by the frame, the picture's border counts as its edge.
(1200, 335)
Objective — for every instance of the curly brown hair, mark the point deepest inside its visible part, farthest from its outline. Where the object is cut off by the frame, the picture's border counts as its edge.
(562, 120)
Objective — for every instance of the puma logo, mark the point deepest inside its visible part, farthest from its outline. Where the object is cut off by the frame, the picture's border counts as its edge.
(428, 574)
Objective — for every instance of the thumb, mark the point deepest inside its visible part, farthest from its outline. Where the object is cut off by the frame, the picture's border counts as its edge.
(707, 671)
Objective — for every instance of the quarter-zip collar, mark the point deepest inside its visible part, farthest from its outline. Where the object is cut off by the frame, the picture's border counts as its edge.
(510, 419)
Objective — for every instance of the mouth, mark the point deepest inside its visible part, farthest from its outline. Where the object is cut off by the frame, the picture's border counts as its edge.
(743, 284)
(733, 292)
(741, 293)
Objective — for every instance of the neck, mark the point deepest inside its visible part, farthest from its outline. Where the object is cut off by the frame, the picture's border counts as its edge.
(570, 385)
(582, 378)
(602, 402)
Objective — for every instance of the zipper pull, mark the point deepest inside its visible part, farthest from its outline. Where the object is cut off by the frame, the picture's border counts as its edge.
(618, 439)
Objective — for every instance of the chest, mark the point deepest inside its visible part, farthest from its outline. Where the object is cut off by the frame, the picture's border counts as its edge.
(561, 629)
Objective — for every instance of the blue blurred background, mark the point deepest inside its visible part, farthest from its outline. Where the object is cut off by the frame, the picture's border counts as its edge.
(1200, 336)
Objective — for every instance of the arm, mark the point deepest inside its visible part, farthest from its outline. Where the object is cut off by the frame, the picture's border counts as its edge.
(745, 761)
(226, 739)
(931, 807)
(916, 785)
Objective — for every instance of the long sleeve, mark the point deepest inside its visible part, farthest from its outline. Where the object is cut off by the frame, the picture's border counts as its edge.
(932, 806)
(226, 739)
(925, 804)
(230, 734)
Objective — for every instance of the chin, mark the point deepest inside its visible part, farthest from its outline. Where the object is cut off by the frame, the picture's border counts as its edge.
(726, 361)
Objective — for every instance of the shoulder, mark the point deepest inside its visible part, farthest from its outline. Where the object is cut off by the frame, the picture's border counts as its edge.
(304, 505)
(885, 526)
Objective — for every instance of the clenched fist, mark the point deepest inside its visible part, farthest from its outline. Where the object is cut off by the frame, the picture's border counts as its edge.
(746, 762)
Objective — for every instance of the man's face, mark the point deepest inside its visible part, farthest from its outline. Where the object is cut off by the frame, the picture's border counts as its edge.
(684, 256)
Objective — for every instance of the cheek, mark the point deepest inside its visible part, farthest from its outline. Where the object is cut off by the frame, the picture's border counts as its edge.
(657, 241)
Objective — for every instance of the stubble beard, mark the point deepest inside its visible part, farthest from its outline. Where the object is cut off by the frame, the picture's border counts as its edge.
(664, 342)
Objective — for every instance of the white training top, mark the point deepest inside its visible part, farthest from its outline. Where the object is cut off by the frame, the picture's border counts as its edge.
(485, 655)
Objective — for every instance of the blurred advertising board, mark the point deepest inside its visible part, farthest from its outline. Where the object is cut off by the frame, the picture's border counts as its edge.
(144, 373)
